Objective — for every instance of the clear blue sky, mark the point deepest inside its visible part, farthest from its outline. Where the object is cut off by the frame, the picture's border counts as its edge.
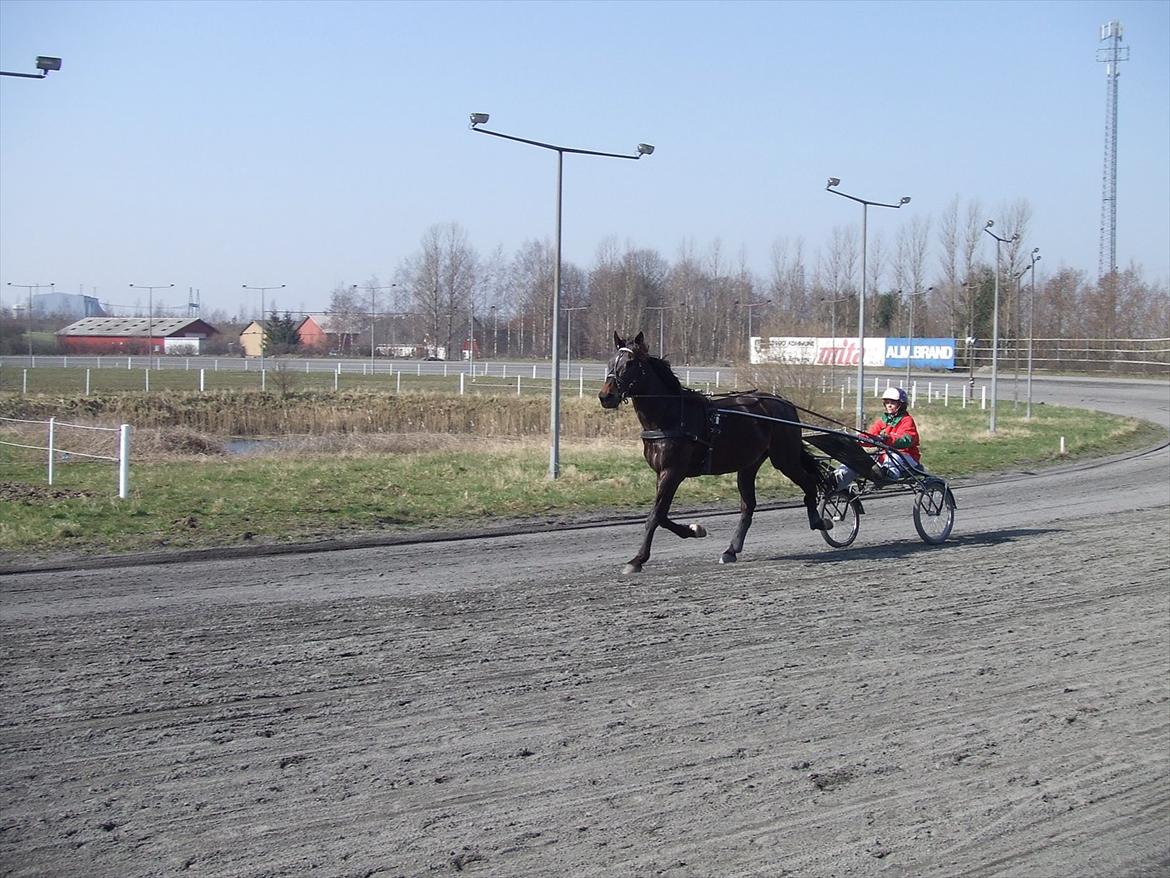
(213, 144)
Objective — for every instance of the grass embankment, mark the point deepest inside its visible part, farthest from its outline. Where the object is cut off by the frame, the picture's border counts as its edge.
(393, 464)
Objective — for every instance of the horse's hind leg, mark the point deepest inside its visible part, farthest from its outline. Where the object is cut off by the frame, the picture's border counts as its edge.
(668, 482)
(746, 480)
(801, 469)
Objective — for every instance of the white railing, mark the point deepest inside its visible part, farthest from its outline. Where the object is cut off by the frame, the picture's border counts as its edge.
(54, 448)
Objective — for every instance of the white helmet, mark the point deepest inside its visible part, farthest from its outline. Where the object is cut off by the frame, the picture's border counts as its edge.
(897, 394)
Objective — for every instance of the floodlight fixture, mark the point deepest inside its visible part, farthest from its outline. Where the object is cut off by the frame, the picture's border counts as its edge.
(865, 205)
(44, 64)
(478, 119)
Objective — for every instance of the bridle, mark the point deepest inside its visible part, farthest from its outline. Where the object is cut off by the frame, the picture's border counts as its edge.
(625, 385)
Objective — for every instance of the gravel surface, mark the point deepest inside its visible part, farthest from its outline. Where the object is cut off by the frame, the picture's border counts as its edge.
(513, 705)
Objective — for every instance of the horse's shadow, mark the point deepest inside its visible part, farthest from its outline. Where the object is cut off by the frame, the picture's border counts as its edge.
(911, 548)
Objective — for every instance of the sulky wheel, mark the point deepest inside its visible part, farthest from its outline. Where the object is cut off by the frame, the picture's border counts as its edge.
(934, 511)
(843, 511)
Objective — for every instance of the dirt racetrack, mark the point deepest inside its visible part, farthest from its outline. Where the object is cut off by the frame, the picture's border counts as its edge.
(513, 706)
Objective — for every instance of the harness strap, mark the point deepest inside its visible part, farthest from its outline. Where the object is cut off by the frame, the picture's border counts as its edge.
(669, 434)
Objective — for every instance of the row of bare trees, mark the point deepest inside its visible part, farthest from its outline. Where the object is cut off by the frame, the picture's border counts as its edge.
(702, 304)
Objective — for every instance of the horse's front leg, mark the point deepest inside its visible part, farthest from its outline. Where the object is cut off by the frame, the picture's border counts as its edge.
(746, 480)
(668, 481)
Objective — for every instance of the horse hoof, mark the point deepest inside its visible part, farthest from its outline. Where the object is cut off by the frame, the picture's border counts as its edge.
(632, 568)
(727, 558)
(697, 530)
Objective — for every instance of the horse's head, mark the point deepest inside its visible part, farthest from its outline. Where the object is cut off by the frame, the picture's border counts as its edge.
(626, 370)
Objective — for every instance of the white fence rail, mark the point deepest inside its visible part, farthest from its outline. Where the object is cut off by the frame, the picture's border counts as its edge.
(56, 449)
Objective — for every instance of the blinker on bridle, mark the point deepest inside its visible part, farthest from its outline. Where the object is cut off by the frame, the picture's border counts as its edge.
(623, 391)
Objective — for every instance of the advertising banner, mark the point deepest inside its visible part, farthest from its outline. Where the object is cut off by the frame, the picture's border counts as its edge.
(817, 351)
(924, 353)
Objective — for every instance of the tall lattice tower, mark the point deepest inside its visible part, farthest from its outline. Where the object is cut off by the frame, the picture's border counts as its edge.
(1111, 56)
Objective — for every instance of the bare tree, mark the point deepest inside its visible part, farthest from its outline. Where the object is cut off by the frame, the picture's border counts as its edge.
(788, 287)
(910, 270)
(441, 279)
(948, 260)
(347, 315)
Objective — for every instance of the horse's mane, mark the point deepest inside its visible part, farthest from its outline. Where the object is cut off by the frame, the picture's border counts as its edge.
(666, 375)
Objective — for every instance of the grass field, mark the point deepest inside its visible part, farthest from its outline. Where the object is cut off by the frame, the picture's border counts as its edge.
(363, 472)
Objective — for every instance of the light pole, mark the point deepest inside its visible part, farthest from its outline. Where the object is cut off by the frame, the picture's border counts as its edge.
(374, 316)
(478, 119)
(865, 205)
(569, 337)
(263, 328)
(495, 331)
(1031, 328)
(749, 306)
(45, 64)
(150, 311)
(28, 316)
(995, 321)
(910, 333)
(661, 309)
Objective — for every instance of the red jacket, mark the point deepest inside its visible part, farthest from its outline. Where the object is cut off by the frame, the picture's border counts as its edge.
(900, 431)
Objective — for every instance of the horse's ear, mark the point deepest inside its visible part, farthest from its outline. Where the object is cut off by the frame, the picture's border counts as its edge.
(640, 344)
(618, 341)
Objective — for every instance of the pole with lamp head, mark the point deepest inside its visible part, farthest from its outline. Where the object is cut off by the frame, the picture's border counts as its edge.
(1031, 328)
(373, 314)
(480, 119)
(661, 309)
(865, 205)
(995, 321)
(748, 306)
(150, 311)
(263, 328)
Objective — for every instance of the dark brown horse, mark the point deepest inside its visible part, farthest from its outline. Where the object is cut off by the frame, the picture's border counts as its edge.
(684, 434)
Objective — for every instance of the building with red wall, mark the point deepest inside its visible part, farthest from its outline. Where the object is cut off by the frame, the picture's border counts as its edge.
(134, 335)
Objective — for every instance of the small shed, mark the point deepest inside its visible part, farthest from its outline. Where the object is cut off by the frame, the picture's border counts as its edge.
(252, 339)
(134, 335)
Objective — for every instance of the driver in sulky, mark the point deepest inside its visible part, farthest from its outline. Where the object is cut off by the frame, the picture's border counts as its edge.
(894, 428)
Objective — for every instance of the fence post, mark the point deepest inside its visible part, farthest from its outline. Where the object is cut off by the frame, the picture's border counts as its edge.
(263, 380)
(201, 380)
(983, 398)
(87, 382)
(52, 450)
(24, 383)
(398, 383)
(146, 374)
(124, 462)
(517, 385)
(462, 375)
